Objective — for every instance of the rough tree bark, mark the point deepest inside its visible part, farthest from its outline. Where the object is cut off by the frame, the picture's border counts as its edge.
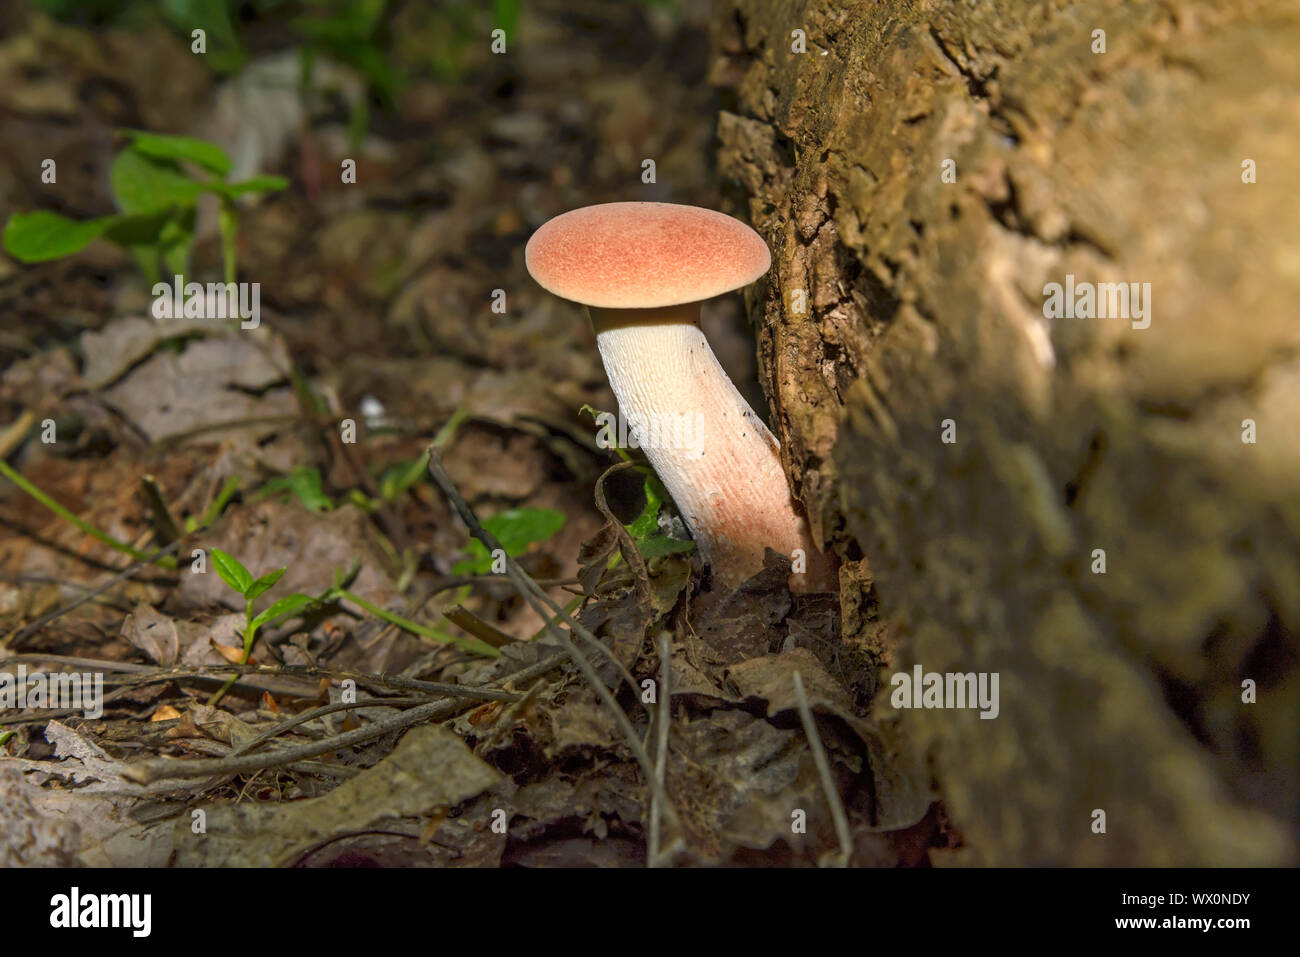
(1120, 692)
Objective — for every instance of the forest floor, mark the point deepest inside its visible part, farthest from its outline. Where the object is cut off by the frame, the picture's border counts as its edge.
(301, 445)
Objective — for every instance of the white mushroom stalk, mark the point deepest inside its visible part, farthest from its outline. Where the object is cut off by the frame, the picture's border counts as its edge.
(643, 270)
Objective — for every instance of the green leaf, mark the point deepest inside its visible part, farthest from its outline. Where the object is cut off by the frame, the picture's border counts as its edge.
(146, 257)
(505, 16)
(304, 483)
(396, 481)
(225, 54)
(175, 240)
(650, 541)
(515, 529)
(42, 235)
(168, 147)
(361, 500)
(231, 571)
(263, 584)
(254, 184)
(143, 184)
(646, 525)
(282, 607)
(658, 545)
(138, 230)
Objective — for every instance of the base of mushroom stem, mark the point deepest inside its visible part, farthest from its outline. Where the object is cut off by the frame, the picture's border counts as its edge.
(819, 576)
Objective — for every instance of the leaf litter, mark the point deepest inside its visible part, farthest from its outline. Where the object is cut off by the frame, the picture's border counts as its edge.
(373, 301)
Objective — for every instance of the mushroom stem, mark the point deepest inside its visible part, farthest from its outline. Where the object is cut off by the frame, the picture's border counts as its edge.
(716, 457)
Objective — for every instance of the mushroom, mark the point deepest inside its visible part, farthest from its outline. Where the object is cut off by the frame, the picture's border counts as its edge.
(643, 270)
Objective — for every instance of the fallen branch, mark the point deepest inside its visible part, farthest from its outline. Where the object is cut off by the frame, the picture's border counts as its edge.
(539, 601)
(147, 772)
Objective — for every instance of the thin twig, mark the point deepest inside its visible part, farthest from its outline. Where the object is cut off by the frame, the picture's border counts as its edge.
(538, 599)
(16, 432)
(167, 768)
(482, 630)
(152, 674)
(36, 715)
(663, 717)
(121, 576)
(824, 771)
(149, 771)
(298, 719)
(164, 522)
(524, 583)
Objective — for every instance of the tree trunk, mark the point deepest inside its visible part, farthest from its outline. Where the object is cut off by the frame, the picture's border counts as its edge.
(1103, 511)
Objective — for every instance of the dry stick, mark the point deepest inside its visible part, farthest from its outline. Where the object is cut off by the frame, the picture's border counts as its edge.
(448, 582)
(150, 674)
(142, 675)
(523, 582)
(121, 576)
(824, 771)
(663, 716)
(16, 432)
(34, 715)
(164, 521)
(302, 718)
(149, 771)
(267, 671)
(484, 631)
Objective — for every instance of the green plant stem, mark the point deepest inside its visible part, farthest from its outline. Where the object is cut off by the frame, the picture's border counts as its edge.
(229, 683)
(229, 224)
(165, 561)
(449, 428)
(250, 633)
(223, 496)
(569, 608)
(469, 644)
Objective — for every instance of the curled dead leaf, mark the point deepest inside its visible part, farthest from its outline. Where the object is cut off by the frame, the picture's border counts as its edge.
(234, 655)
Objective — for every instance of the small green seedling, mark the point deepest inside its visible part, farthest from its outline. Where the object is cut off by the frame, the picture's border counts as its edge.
(303, 483)
(234, 574)
(239, 578)
(393, 483)
(157, 181)
(401, 478)
(515, 529)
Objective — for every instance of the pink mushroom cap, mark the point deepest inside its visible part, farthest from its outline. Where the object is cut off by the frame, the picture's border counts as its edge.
(644, 255)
